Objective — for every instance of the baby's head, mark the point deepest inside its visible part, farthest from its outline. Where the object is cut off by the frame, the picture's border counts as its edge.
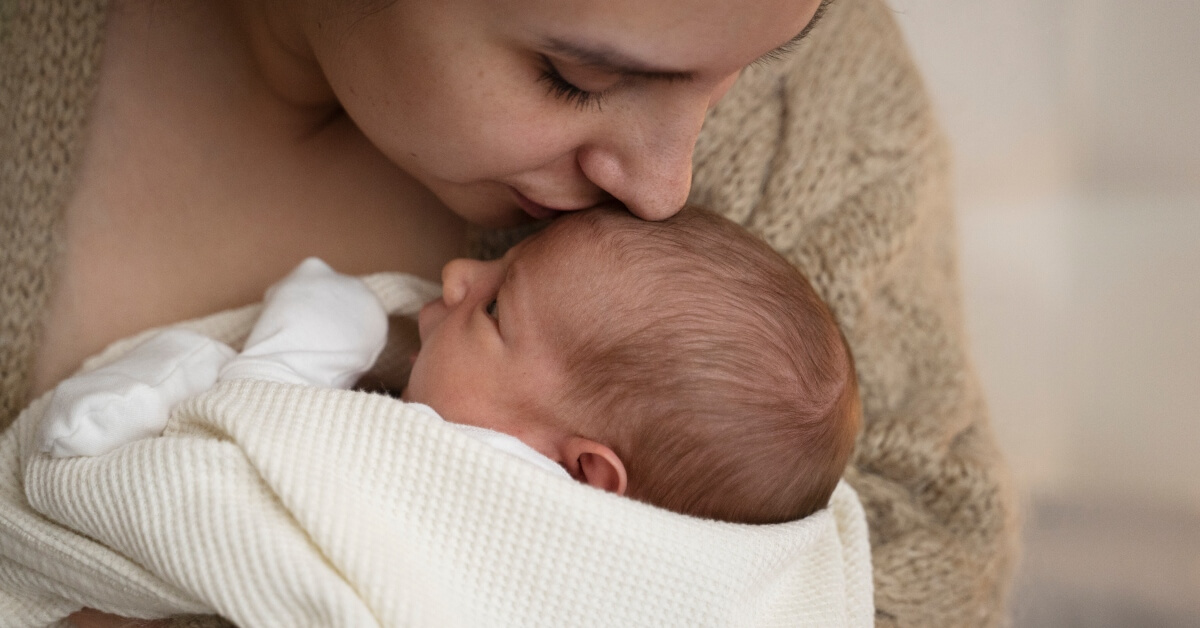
(683, 363)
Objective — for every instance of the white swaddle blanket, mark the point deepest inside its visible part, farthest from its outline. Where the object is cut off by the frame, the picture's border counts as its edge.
(283, 504)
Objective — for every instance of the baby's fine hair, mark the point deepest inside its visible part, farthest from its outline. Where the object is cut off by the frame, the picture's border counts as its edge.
(712, 368)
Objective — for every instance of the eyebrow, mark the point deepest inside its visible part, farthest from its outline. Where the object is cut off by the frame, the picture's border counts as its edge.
(509, 274)
(610, 60)
(619, 63)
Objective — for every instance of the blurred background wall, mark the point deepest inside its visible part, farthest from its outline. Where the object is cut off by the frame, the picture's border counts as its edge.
(1076, 128)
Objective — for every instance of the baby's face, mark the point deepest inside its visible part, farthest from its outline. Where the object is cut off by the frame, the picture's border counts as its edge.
(485, 358)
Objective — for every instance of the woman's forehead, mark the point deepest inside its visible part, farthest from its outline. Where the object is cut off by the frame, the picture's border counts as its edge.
(674, 35)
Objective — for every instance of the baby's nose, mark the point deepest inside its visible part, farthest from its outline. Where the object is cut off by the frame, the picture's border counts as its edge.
(456, 279)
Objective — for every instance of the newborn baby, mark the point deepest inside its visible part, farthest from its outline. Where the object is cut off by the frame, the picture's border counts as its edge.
(682, 363)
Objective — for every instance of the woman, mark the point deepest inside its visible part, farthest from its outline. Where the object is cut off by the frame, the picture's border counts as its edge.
(226, 141)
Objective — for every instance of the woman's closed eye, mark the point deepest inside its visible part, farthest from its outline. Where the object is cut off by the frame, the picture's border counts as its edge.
(566, 90)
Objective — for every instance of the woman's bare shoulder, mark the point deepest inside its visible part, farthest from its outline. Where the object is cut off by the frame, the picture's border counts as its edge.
(198, 188)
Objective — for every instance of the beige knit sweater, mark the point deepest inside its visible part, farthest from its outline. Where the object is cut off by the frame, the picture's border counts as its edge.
(833, 156)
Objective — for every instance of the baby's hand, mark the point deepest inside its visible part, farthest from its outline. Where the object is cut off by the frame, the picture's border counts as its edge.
(130, 399)
(317, 328)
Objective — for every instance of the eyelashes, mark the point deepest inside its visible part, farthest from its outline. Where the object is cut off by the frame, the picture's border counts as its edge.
(564, 90)
(774, 55)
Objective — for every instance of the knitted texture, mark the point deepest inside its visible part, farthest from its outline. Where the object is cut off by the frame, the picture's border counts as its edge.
(834, 157)
(49, 54)
(370, 511)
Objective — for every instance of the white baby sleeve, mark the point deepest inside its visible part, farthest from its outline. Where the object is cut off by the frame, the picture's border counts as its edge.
(317, 327)
(513, 446)
(506, 443)
(95, 412)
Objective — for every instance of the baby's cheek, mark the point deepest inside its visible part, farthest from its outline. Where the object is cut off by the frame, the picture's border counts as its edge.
(431, 384)
(414, 391)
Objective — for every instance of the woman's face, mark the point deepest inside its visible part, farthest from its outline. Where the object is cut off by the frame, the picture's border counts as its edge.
(512, 109)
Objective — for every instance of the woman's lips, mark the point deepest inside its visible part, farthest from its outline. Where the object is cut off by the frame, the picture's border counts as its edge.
(538, 212)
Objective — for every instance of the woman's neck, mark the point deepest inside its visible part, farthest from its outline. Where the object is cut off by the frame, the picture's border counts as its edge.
(284, 59)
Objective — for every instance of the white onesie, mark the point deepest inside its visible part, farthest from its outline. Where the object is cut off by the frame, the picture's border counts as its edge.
(317, 328)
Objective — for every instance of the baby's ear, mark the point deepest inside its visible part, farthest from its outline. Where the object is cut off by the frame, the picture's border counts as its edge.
(594, 464)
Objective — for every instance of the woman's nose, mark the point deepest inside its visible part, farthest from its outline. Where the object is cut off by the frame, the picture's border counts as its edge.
(646, 163)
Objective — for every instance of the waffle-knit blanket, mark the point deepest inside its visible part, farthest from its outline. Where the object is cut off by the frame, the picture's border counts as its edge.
(279, 504)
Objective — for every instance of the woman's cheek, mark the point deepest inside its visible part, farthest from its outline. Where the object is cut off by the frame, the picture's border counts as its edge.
(500, 141)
